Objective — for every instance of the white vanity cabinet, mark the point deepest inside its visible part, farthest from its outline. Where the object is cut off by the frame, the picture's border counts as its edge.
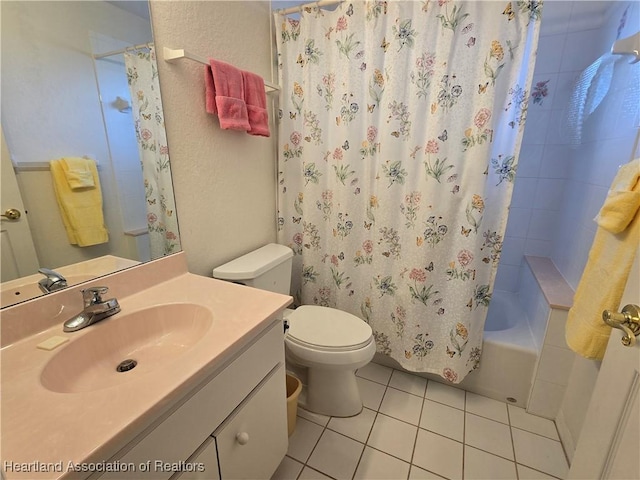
(233, 427)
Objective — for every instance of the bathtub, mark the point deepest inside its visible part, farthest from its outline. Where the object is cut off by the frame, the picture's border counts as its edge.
(509, 354)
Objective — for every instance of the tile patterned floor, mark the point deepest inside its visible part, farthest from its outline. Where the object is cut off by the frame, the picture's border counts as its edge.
(416, 429)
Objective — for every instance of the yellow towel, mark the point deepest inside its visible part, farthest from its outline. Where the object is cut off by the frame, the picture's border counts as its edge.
(81, 210)
(78, 172)
(610, 259)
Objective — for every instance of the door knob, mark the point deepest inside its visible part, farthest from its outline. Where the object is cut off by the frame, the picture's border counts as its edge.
(628, 321)
(12, 214)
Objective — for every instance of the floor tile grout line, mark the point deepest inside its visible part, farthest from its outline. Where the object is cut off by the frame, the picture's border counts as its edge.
(371, 429)
(513, 444)
(536, 434)
(415, 439)
(314, 448)
(464, 432)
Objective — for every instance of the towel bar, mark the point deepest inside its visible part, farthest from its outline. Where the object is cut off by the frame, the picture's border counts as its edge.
(172, 54)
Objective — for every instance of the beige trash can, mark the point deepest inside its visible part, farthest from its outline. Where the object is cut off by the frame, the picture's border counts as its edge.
(294, 387)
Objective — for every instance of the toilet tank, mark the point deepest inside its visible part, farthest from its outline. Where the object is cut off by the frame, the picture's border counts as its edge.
(267, 268)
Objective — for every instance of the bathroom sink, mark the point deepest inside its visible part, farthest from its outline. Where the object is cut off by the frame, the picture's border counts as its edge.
(152, 338)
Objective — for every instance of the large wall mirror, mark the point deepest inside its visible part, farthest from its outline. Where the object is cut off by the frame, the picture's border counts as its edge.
(62, 97)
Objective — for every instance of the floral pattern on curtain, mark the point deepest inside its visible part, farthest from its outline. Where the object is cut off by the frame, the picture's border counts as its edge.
(148, 116)
(400, 128)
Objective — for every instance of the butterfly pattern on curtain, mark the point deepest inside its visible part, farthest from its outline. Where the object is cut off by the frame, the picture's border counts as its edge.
(148, 116)
(400, 128)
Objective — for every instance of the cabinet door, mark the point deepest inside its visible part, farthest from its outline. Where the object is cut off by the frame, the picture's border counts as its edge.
(203, 463)
(253, 440)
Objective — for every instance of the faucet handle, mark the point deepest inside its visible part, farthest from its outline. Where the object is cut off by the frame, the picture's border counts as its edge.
(93, 295)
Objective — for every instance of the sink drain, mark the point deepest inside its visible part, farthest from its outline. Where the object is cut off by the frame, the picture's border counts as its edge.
(126, 365)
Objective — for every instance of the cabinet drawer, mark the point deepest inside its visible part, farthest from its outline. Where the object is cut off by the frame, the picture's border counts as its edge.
(207, 457)
(182, 432)
(252, 442)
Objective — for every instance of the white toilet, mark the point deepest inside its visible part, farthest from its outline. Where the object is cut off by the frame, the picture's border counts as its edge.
(329, 343)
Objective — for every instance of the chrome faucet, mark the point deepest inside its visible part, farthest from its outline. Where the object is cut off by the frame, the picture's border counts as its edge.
(95, 309)
(52, 281)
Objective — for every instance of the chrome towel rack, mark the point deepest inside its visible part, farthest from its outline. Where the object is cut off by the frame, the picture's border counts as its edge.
(173, 54)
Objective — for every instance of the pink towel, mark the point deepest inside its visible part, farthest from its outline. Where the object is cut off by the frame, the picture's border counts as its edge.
(256, 100)
(229, 96)
(210, 91)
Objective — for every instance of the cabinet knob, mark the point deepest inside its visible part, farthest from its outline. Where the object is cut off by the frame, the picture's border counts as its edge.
(242, 438)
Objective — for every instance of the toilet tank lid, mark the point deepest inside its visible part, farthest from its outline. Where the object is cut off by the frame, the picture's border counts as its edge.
(253, 264)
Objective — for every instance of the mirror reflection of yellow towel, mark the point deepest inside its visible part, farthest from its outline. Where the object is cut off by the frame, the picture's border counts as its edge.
(78, 172)
(80, 207)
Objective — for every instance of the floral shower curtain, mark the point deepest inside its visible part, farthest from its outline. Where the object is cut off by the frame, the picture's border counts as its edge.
(148, 116)
(401, 124)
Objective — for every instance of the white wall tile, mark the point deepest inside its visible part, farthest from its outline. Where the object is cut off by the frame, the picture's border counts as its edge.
(557, 131)
(524, 191)
(512, 251)
(549, 192)
(555, 161)
(529, 160)
(507, 278)
(518, 222)
(555, 335)
(536, 128)
(555, 365)
(554, 18)
(538, 248)
(545, 399)
(566, 82)
(542, 224)
(549, 56)
(580, 50)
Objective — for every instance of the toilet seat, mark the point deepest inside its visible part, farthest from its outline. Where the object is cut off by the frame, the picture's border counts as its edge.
(327, 329)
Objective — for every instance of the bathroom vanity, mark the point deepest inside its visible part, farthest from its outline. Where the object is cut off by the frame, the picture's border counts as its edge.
(206, 399)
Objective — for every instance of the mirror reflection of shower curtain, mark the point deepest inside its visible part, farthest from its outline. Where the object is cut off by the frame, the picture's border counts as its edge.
(142, 76)
(398, 147)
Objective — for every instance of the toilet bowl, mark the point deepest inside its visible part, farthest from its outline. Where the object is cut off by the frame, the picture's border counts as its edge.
(332, 345)
(328, 343)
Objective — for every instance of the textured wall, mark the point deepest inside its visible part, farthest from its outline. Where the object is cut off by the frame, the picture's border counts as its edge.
(224, 180)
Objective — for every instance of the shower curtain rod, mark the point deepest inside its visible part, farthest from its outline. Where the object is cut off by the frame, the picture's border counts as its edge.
(122, 50)
(299, 8)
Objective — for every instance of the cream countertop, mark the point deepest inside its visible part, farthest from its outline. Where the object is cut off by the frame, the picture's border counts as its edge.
(42, 426)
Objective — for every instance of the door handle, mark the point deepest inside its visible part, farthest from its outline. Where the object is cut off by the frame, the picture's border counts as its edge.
(628, 321)
(11, 214)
